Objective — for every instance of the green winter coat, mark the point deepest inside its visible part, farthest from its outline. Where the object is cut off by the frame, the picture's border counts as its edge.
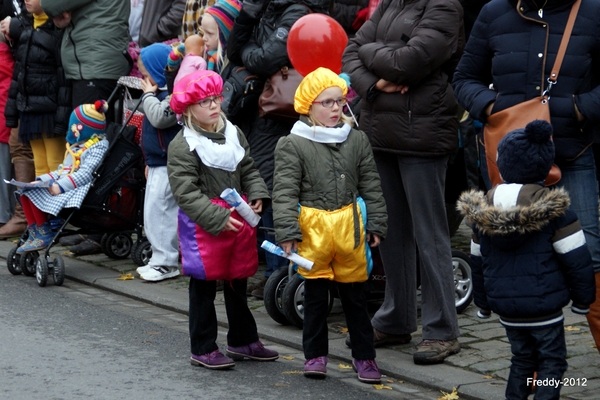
(193, 184)
(95, 41)
(325, 177)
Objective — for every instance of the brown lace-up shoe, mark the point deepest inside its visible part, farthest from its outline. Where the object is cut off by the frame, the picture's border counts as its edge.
(435, 351)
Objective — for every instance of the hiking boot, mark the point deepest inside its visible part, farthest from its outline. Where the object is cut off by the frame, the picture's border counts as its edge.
(367, 371)
(88, 246)
(381, 339)
(254, 351)
(213, 360)
(31, 231)
(257, 289)
(159, 273)
(435, 351)
(316, 367)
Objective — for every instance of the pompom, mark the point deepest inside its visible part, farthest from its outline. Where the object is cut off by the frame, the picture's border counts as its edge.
(345, 77)
(538, 131)
(101, 106)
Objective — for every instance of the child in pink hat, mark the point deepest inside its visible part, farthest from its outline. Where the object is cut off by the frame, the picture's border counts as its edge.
(208, 156)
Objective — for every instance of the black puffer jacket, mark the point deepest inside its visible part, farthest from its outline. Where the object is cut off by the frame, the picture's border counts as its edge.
(261, 46)
(506, 48)
(39, 85)
(415, 43)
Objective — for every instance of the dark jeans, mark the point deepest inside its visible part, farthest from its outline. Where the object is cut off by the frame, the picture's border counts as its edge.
(536, 350)
(203, 317)
(354, 303)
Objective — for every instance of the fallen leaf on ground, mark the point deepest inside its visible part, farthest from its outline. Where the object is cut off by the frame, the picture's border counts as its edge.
(344, 366)
(343, 330)
(295, 372)
(382, 386)
(289, 358)
(572, 328)
(282, 385)
(449, 396)
(125, 277)
(488, 377)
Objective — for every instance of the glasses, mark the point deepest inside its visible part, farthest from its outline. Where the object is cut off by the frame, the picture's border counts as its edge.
(329, 103)
(204, 103)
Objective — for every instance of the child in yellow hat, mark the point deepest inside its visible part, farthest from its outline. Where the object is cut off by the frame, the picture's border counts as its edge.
(329, 207)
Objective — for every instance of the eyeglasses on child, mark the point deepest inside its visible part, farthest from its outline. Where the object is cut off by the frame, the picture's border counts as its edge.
(329, 103)
(204, 103)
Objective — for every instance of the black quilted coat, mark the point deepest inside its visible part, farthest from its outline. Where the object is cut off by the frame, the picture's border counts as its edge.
(39, 85)
(506, 49)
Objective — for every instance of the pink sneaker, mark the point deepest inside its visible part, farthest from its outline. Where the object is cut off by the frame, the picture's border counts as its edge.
(367, 371)
(316, 367)
(212, 360)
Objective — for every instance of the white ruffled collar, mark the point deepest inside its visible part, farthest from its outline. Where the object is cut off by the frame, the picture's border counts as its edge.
(321, 134)
(224, 156)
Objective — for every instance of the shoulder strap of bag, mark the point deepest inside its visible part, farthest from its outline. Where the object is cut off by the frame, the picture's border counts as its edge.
(562, 49)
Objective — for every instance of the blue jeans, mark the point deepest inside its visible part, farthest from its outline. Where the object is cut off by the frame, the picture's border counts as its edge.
(536, 350)
(579, 179)
(273, 262)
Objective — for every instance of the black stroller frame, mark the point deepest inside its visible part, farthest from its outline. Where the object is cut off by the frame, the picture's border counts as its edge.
(120, 159)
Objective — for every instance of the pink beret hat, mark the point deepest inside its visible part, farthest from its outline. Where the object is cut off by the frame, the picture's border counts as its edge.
(194, 87)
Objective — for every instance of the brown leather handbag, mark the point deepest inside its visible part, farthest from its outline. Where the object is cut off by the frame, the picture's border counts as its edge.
(518, 116)
(277, 97)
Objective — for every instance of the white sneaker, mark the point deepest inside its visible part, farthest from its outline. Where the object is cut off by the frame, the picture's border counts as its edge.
(143, 269)
(159, 273)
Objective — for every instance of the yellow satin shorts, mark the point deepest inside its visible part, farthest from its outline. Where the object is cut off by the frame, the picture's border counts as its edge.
(328, 239)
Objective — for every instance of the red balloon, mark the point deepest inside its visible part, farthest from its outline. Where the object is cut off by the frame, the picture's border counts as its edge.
(316, 40)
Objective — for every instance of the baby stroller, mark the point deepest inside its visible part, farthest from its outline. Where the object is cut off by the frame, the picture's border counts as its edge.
(113, 205)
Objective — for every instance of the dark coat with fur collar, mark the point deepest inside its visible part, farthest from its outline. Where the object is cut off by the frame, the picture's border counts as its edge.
(529, 257)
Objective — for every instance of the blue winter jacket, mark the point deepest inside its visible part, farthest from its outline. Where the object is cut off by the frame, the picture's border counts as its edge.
(529, 254)
(507, 49)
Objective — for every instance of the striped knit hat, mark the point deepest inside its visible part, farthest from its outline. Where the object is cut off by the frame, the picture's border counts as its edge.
(225, 12)
(87, 120)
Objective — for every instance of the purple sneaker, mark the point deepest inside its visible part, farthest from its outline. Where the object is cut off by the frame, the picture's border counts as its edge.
(213, 360)
(254, 351)
(316, 367)
(367, 371)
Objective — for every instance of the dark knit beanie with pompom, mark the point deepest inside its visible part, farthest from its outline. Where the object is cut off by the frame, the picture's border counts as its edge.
(526, 155)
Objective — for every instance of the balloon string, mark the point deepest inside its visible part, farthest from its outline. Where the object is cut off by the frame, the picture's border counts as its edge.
(353, 117)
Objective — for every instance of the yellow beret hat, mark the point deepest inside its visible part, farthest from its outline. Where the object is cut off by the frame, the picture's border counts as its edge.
(313, 84)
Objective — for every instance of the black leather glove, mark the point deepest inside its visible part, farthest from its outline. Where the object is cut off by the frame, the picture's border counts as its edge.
(254, 8)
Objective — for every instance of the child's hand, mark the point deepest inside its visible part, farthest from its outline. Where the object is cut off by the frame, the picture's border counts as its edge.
(5, 27)
(54, 189)
(256, 205)
(289, 246)
(63, 20)
(373, 239)
(233, 224)
(147, 86)
(146, 172)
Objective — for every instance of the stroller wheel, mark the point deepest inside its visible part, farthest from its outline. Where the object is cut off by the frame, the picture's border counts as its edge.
(13, 261)
(116, 245)
(58, 273)
(142, 252)
(41, 271)
(27, 263)
(273, 294)
(463, 281)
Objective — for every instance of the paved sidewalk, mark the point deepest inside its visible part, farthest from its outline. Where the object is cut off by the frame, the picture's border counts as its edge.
(479, 371)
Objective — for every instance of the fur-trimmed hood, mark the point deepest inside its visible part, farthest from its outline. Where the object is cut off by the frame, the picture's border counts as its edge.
(535, 207)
